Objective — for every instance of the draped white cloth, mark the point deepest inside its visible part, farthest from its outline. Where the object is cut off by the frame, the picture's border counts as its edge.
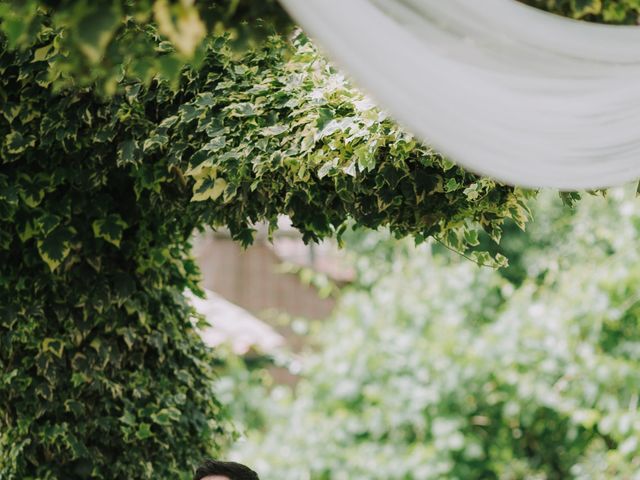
(503, 89)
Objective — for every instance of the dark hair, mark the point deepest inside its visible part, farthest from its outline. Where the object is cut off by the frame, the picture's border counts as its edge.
(233, 470)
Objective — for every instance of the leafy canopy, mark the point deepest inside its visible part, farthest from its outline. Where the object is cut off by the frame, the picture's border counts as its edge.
(98, 43)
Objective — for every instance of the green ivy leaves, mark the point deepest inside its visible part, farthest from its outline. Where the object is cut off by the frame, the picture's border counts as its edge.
(53, 346)
(207, 188)
(144, 431)
(610, 11)
(55, 246)
(127, 152)
(94, 227)
(33, 188)
(166, 416)
(16, 143)
(99, 43)
(582, 8)
(110, 229)
(297, 138)
(96, 26)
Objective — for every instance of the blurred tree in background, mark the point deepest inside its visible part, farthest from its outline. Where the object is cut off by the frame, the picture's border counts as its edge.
(435, 368)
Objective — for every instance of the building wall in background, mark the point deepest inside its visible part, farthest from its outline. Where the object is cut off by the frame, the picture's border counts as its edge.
(251, 279)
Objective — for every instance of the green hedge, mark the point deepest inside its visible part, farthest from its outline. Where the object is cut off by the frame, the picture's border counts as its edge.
(101, 372)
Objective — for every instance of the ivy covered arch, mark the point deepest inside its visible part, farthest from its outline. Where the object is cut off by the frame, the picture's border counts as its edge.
(109, 159)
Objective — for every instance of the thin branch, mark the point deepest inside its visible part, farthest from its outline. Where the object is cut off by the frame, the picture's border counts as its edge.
(462, 254)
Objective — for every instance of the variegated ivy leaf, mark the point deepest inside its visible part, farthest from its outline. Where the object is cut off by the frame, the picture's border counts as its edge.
(110, 229)
(33, 188)
(127, 152)
(208, 188)
(26, 229)
(166, 416)
(17, 143)
(55, 247)
(581, 8)
(144, 431)
(47, 223)
(54, 346)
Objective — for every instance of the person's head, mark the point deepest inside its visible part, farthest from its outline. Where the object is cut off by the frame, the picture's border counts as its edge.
(215, 470)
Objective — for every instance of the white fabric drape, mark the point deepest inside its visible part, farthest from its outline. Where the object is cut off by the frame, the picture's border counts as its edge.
(505, 90)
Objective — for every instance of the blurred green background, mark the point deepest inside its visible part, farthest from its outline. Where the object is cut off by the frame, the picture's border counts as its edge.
(433, 367)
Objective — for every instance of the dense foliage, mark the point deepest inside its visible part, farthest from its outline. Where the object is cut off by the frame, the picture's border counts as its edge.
(624, 12)
(100, 42)
(295, 138)
(435, 368)
(102, 374)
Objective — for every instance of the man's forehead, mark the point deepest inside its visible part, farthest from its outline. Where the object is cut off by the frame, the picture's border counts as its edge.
(216, 477)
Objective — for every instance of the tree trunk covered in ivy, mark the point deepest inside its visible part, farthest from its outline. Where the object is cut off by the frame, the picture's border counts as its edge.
(102, 373)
